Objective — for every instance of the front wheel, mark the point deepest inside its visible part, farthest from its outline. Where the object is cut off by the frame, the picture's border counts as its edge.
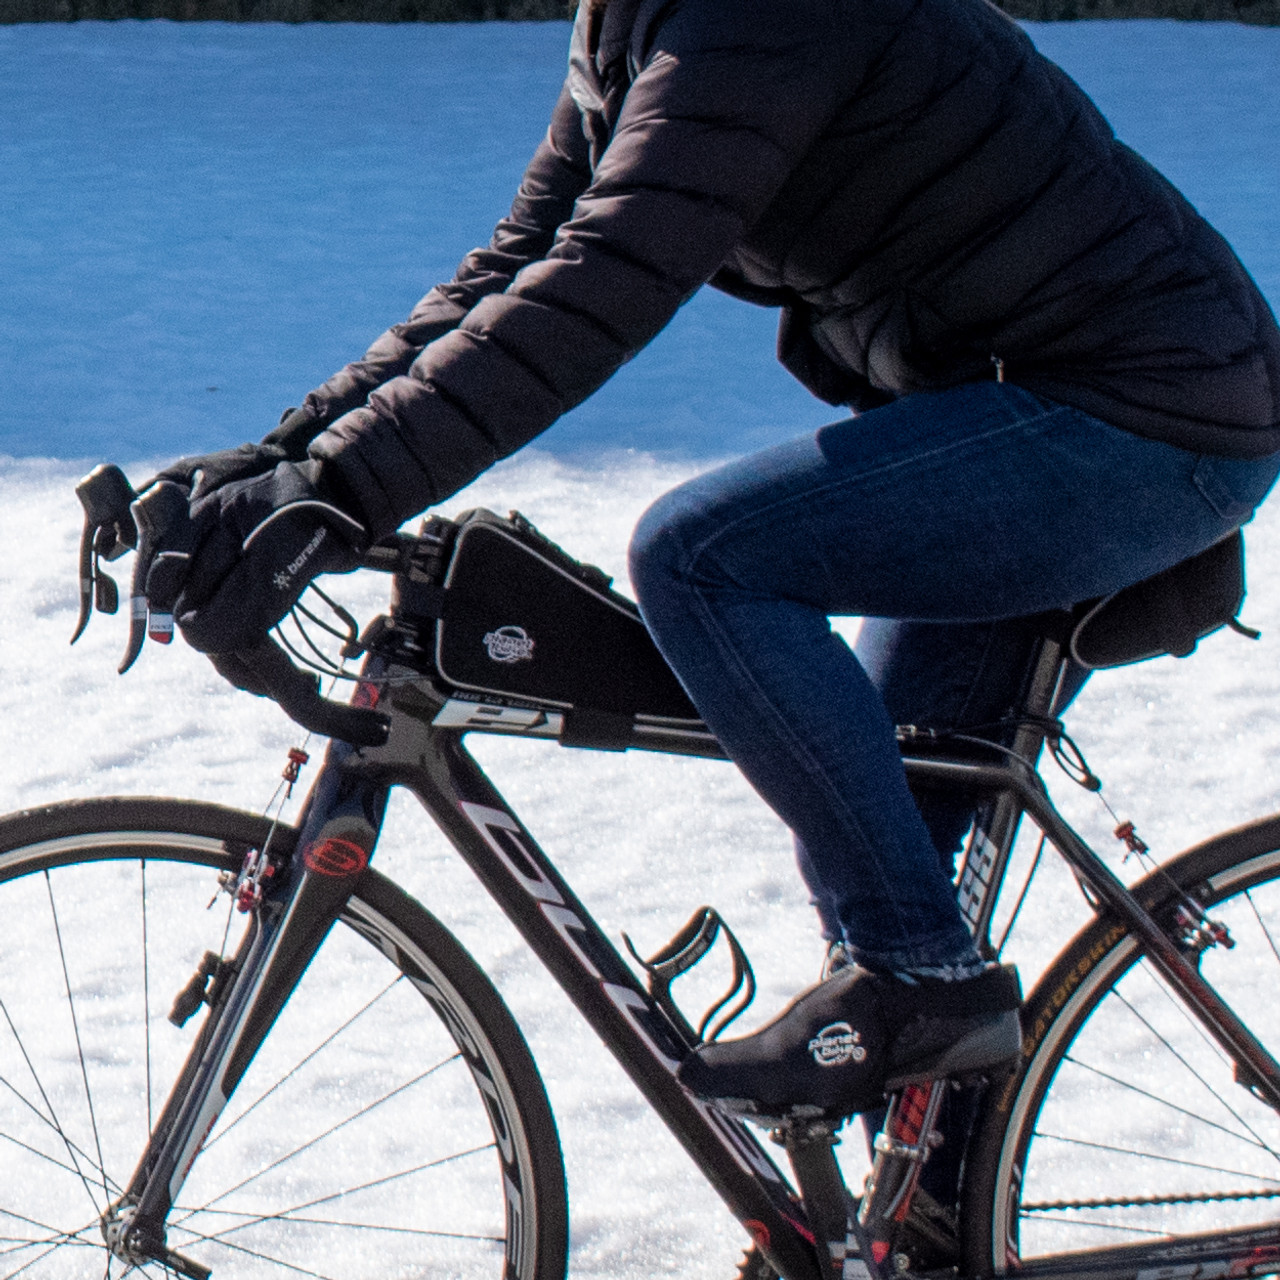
(392, 1125)
(1124, 1123)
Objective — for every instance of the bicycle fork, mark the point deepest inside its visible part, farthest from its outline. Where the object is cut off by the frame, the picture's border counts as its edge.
(294, 904)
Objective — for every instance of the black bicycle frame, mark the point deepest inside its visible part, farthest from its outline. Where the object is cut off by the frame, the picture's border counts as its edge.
(425, 753)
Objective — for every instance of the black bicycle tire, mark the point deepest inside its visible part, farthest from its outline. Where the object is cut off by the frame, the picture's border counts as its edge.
(120, 828)
(1058, 1010)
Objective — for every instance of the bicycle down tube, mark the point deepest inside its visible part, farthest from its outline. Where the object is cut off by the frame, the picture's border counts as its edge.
(430, 760)
(433, 764)
(340, 827)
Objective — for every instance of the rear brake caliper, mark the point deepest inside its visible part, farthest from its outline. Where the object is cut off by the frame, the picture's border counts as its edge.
(1195, 932)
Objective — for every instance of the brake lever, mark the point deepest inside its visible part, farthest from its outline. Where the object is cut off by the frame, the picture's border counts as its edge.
(106, 496)
(118, 519)
(156, 515)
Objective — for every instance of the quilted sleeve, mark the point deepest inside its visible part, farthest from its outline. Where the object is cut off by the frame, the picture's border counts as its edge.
(711, 126)
(556, 176)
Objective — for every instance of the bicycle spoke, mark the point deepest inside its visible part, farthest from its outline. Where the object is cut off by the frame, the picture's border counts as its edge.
(1164, 1102)
(146, 992)
(45, 1226)
(41, 1155)
(75, 1025)
(275, 1262)
(1181, 1058)
(284, 1214)
(293, 1071)
(320, 1137)
(1156, 1156)
(51, 1120)
(1102, 1226)
(57, 1241)
(73, 1147)
(51, 1234)
(19, 1243)
(290, 1215)
(373, 1226)
(1266, 933)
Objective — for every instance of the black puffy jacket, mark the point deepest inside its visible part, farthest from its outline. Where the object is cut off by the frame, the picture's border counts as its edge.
(918, 190)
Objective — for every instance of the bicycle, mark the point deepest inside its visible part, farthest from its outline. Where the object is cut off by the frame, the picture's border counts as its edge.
(440, 1154)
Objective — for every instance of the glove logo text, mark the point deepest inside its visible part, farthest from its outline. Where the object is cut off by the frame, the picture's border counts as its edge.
(285, 577)
(509, 644)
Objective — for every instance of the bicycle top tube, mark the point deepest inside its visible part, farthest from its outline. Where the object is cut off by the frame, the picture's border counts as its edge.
(470, 624)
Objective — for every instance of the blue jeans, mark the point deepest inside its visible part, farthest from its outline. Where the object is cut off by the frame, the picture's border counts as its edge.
(942, 516)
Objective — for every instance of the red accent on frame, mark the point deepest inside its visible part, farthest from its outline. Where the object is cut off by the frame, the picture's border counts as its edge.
(759, 1233)
(335, 857)
(366, 695)
(909, 1114)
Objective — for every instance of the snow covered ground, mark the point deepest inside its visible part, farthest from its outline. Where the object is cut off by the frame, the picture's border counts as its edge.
(203, 221)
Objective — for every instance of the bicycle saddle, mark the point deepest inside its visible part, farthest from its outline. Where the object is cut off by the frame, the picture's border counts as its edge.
(1168, 613)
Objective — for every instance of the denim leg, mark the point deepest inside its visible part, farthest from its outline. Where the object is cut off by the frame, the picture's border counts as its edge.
(966, 506)
(939, 675)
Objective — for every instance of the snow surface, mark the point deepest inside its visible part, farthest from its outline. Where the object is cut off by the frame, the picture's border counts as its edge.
(203, 221)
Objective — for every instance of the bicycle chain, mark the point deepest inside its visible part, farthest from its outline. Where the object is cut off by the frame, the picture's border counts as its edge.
(1137, 1202)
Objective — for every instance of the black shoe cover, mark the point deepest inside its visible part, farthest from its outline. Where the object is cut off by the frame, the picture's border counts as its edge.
(840, 1046)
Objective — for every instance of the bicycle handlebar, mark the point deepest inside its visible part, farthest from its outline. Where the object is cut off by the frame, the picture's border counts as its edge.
(110, 529)
(297, 694)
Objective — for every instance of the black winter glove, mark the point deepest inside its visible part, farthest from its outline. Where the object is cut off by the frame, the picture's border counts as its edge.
(229, 565)
(203, 473)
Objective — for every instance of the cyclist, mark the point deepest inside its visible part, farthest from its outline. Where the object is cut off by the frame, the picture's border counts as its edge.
(1061, 381)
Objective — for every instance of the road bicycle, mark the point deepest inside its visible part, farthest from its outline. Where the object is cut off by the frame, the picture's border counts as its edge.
(349, 1097)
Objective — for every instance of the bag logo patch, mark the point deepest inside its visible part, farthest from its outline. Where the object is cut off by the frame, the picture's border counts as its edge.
(837, 1044)
(509, 644)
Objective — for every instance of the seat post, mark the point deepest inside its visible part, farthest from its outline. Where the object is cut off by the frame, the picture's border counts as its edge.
(1045, 675)
(996, 825)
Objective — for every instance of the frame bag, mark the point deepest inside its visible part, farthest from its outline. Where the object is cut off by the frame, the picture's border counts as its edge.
(522, 621)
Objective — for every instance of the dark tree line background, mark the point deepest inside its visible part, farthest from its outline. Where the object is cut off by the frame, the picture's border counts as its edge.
(1264, 12)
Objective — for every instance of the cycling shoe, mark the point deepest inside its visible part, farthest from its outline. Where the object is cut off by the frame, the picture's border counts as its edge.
(842, 1045)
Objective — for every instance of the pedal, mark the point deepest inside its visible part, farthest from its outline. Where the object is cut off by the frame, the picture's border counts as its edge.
(690, 944)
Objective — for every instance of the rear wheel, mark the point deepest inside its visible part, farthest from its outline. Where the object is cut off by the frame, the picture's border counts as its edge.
(1124, 1123)
(393, 1124)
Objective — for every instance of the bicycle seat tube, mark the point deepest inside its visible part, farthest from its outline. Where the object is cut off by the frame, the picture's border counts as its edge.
(1016, 789)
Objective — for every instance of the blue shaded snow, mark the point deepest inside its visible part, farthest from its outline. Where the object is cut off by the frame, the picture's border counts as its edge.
(200, 222)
